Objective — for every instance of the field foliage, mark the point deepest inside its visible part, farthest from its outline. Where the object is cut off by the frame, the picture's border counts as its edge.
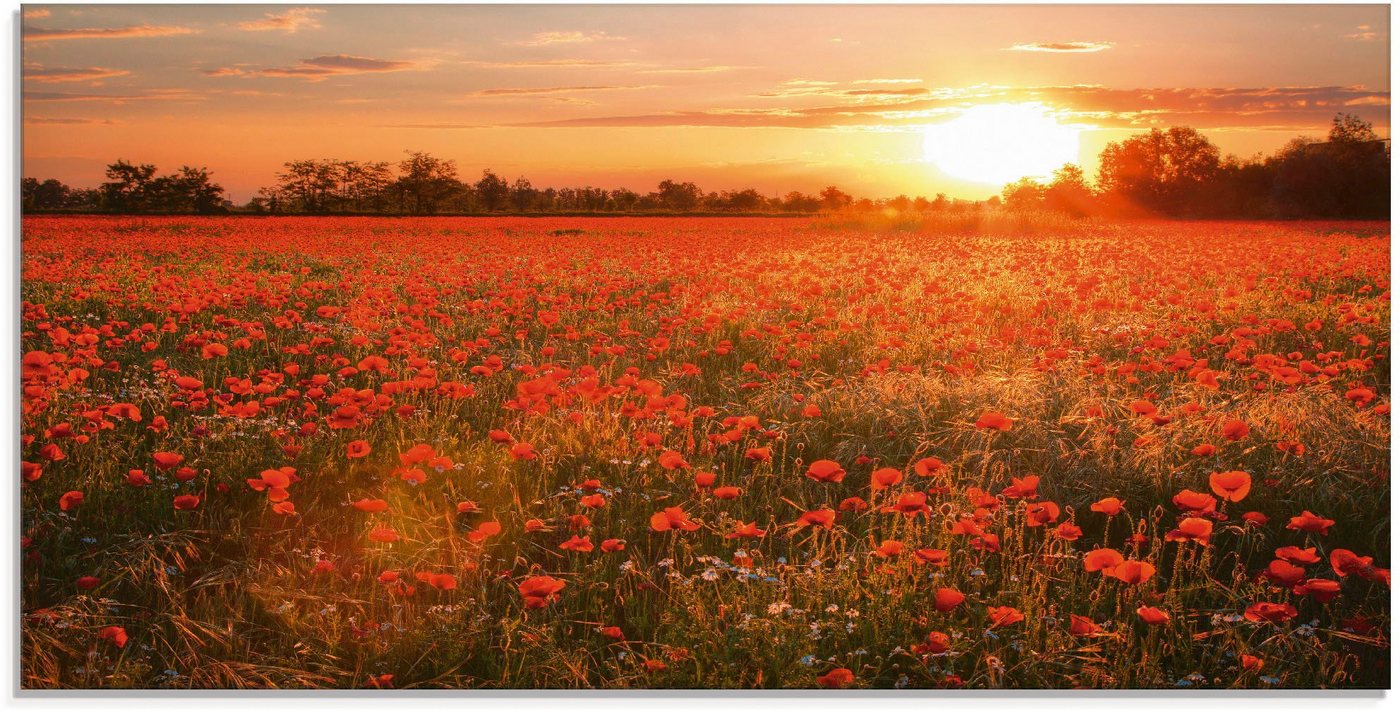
(708, 453)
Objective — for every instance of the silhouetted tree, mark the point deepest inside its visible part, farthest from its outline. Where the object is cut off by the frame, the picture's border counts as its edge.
(1348, 175)
(1069, 192)
(678, 196)
(1023, 195)
(624, 200)
(799, 202)
(50, 194)
(136, 188)
(308, 185)
(833, 199)
(191, 190)
(425, 181)
(128, 186)
(492, 191)
(523, 194)
(1162, 171)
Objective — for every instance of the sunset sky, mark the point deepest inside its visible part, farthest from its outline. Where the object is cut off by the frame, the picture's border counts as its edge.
(775, 97)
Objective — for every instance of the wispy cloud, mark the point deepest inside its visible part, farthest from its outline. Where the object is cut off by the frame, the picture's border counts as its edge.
(1209, 108)
(1363, 33)
(702, 69)
(322, 68)
(545, 39)
(706, 69)
(37, 14)
(437, 126)
(548, 90)
(1064, 47)
(888, 89)
(291, 21)
(151, 95)
(55, 75)
(640, 67)
(550, 64)
(40, 34)
(57, 121)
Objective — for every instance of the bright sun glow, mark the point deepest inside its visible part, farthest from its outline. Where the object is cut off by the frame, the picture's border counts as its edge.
(1001, 143)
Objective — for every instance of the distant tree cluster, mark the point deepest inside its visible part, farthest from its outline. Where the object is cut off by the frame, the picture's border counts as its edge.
(131, 189)
(1175, 172)
(424, 184)
(1179, 173)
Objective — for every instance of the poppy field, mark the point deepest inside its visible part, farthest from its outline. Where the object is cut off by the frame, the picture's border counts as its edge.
(702, 453)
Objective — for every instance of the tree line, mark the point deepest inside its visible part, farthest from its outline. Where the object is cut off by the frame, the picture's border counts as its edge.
(1178, 172)
(130, 188)
(1175, 172)
(424, 184)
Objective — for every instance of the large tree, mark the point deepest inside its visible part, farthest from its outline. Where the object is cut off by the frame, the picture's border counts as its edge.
(1162, 171)
(1346, 176)
(493, 191)
(678, 196)
(128, 186)
(426, 181)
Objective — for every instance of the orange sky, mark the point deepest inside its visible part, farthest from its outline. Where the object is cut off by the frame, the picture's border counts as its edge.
(774, 97)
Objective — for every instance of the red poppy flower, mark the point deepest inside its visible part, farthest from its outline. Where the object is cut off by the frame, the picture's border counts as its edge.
(1004, 616)
(836, 678)
(1233, 486)
(538, 592)
(1081, 626)
(70, 500)
(946, 599)
(114, 634)
(1152, 616)
(673, 518)
(1269, 611)
(1192, 530)
(826, 471)
(994, 420)
(1308, 522)
(1108, 506)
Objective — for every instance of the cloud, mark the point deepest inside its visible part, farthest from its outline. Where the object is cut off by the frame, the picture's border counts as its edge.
(54, 121)
(54, 75)
(36, 14)
(1363, 33)
(291, 21)
(545, 39)
(1303, 108)
(888, 81)
(151, 95)
(831, 89)
(349, 63)
(541, 91)
(704, 69)
(40, 34)
(1067, 47)
(641, 67)
(321, 68)
(733, 118)
(437, 126)
(551, 64)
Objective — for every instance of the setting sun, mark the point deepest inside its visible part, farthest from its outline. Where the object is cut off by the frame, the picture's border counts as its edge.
(1000, 143)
